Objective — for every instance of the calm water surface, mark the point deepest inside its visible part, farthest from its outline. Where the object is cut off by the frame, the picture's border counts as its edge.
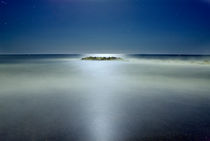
(61, 98)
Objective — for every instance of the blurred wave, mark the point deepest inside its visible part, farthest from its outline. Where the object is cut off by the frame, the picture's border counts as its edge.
(62, 98)
(170, 59)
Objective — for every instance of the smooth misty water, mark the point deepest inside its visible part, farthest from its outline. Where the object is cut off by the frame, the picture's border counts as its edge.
(64, 98)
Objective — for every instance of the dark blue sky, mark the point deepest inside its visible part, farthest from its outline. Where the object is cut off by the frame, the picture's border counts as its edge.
(105, 26)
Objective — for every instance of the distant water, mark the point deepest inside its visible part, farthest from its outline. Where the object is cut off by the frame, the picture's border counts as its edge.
(143, 98)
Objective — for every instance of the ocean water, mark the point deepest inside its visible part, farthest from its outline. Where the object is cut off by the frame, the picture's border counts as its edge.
(142, 98)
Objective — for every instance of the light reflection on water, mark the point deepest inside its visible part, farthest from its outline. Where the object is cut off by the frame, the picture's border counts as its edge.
(104, 101)
(100, 124)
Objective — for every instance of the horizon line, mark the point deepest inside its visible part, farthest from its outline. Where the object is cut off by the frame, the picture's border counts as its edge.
(178, 54)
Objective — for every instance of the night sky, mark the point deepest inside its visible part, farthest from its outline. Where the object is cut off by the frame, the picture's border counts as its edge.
(105, 26)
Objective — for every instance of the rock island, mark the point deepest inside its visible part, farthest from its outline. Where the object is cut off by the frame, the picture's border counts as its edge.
(101, 58)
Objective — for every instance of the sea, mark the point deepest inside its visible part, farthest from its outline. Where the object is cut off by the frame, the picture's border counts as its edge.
(143, 97)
